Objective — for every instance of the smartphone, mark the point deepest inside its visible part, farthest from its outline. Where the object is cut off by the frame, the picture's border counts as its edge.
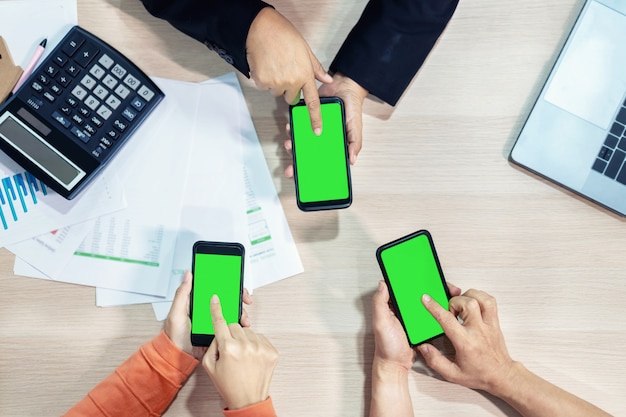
(217, 268)
(321, 164)
(411, 269)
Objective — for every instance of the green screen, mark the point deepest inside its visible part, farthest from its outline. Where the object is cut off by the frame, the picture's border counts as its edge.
(321, 165)
(412, 271)
(215, 274)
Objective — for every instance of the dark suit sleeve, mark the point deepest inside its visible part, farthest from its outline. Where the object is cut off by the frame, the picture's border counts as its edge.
(222, 25)
(390, 42)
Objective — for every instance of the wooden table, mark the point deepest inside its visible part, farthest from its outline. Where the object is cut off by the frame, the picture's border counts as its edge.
(437, 161)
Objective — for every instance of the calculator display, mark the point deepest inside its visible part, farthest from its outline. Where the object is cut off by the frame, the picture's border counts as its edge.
(75, 111)
(37, 150)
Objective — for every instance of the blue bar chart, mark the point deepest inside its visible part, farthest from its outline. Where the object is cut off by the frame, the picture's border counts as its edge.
(19, 193)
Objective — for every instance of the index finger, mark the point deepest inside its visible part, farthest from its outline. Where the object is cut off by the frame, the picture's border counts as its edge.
(312, 100)
(451, 326)
(219, 323)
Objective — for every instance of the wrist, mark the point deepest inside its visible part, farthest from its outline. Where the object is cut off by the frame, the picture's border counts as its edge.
(388, 370)
(509, 381)
(352, 85)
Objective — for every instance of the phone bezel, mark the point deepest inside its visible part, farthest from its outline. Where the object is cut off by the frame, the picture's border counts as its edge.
(324, 204)
(392, 297)
(217, 248)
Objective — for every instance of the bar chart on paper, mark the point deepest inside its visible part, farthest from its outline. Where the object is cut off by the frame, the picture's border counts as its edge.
(19, 194)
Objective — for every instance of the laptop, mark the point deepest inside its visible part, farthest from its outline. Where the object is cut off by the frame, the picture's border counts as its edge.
(575, 134)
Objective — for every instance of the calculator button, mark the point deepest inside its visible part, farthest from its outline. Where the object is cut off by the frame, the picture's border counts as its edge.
(80, 134)
(109, 81)
(43, 79)
(113, 102)
(86, 54)
(132, 82)
(122, 91)
(77, 119)
(91, 102)
(73, 70)
(71, 101)
(65, 110)
(105, 143)
(105, 61)
(84, 112)
(88, 82)
(73, 44)
(138, 103)
(120, 125)
(56, 89)
(97, 152)
(90, 130)
(64, 80)
(145, 93)
(37, 87)
(61, 119)
(129, 114)
(79, 92)
(48, 96)
(119, 71)
(101, 92)
(51, 70)
(60, 60)
(97, 71)
(104, 112)
(113, 134)
(96, 121)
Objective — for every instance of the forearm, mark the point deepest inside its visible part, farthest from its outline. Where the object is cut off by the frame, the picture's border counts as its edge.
(390, 390)
(390, 42)
(144, 385)
(533, 396)
(222, 25)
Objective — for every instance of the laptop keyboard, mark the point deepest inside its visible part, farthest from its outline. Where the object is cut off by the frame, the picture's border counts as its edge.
(610, 159)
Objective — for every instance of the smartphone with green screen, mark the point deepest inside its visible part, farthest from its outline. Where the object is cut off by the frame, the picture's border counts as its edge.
(321, 164)
(217, 268)
(411, 269)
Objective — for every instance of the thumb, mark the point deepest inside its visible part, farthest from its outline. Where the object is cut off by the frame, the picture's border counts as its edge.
(211, 357)
(319, 71)
(439, 363)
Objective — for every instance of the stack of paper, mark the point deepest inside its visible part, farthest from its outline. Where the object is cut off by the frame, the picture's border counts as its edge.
(193, 171)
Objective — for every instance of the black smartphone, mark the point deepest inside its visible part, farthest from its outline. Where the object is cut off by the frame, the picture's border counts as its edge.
(217, 268)
(321, 163)
(411, 268)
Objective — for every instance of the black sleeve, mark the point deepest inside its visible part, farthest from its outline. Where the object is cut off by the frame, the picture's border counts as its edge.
(222, 25)
(390, 42)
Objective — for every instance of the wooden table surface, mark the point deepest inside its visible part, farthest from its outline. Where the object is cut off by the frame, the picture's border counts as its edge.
(437, 161)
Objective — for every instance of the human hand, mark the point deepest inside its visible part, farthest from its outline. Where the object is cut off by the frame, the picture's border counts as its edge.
(239, 362)
(353, 96)
(178, 324)
(281, 61)
(482, 360)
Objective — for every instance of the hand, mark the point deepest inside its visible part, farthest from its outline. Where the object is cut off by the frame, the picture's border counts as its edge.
(353, 96)
(482, 360)
(178, 324)
(391, 342)
(239, 362)
(281, 61)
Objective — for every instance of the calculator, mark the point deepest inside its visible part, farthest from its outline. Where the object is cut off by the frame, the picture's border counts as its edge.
(75, 111)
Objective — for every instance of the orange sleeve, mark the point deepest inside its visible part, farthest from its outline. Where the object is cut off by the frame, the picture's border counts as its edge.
(144, 385)
(262, 409)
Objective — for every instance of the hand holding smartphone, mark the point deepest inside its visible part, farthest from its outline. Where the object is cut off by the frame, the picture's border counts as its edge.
(321, 163)
(217, 268)
(411, 269)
